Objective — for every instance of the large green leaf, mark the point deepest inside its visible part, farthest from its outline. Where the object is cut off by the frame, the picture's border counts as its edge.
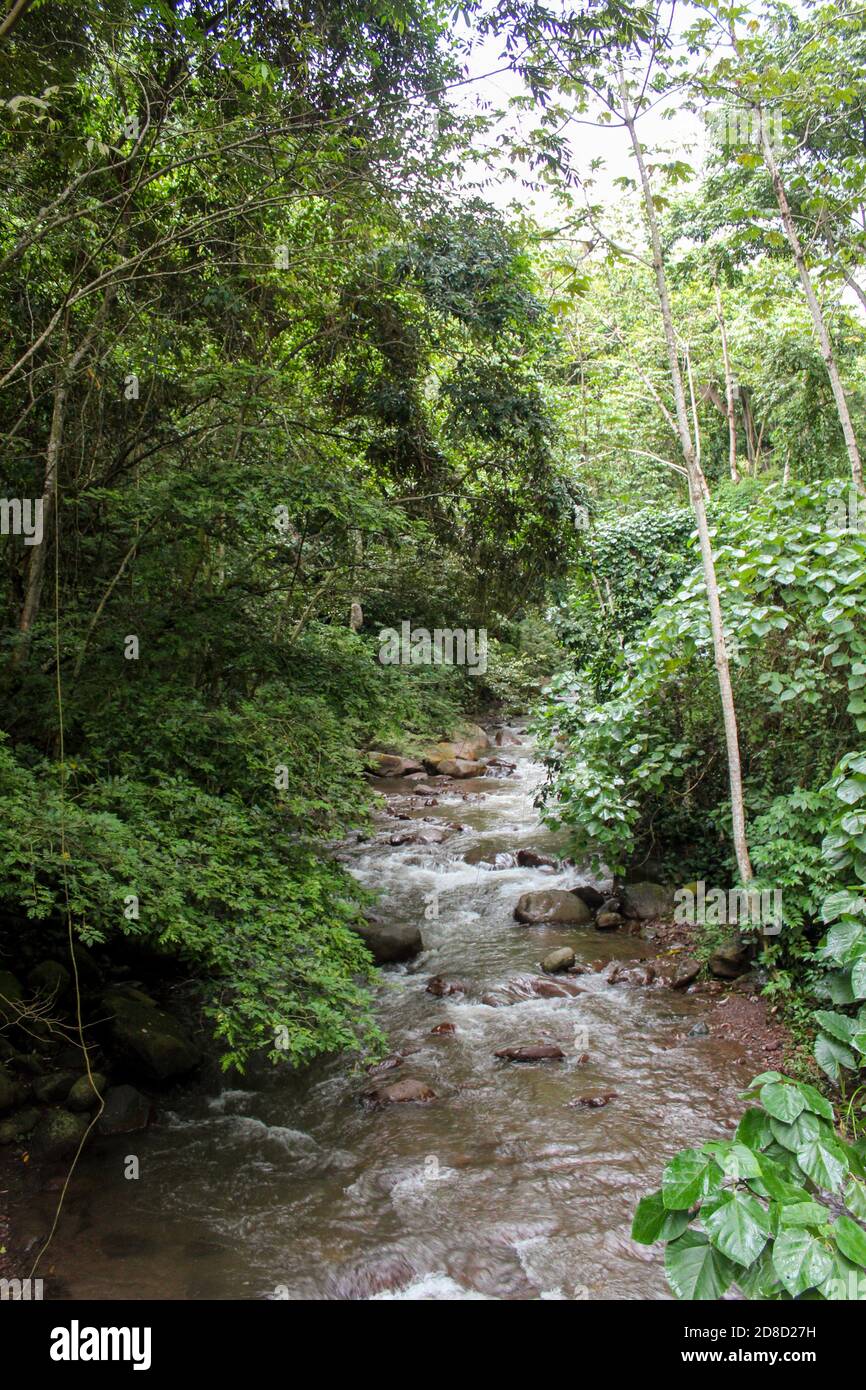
(783, 1102)
(824, 1162)
(653, 1221)
(695, 1269)
(688, 1178)
(738, 1228)
(851, 1239)
(800, 1261)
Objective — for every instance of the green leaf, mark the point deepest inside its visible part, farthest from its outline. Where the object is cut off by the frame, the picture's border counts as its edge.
(818, 1104)
(688, 1178)
(783, 1101)
(851, 1239)
(739, 1228)
(804, 1214)
(831, 1055)
(653, 1221)
(695, 1269)
(824, 1162)
(800, 1261)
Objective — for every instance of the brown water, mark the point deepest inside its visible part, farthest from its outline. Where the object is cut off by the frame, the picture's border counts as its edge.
(498, 1189)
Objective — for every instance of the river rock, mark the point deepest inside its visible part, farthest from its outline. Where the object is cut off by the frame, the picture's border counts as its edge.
(126, 1110)
(730, 960)
(506, 738)
(392, 765)
(84, 1094)
(593, 891)
(389, 942)
(50, 979)
(593, 1100)
(154, 1043)
(608, 921)
(459, 767)
(640, 975)
(11, 993)
(563, 959)
(423, 835)
(18, 1126)
(531, 859)
(443, 1030)
(556, 989)
(534, 1052)
(687, 972)
(8, 1090)
(440, 987)
(405, 1092)
(646, 900)
(53, 1088)
(552, 905)
(58, 1134)
(389, 1063)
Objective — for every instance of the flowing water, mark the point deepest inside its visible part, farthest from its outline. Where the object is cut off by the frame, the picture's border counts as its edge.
(498, 1188)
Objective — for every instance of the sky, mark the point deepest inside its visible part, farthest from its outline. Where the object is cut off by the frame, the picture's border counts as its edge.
(682, 137)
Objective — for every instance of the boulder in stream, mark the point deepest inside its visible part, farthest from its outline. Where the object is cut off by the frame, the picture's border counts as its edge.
(554, 961)
(438, 986)
(126, 1110)
(58, 1134)
(730, 960)
(552, 905)
(593, 1100)
(533, 1052)
(390, 942)
(457, 767)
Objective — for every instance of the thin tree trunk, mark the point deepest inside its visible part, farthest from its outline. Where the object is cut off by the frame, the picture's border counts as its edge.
(730, 404)
(814, 307)
(696, 490)
(36, 568)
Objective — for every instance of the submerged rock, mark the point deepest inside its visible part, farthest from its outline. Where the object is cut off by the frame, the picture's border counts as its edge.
(531, 859)
(534, 1052)
(423, 835)
(552, 905)
(408, 1091)
(440, 987)
(593, 1100)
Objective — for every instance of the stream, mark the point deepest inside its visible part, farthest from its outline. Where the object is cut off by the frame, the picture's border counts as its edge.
(498, 1188)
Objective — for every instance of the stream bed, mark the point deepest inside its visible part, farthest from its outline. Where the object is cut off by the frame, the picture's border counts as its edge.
(497, 1189)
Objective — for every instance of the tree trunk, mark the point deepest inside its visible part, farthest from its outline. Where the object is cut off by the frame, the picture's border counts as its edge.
(730, 404)
(814, 307)
(696, 490)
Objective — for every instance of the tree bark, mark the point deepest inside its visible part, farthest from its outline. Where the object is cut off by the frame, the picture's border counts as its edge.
(814, 307)
(730, 404)
(696, 490)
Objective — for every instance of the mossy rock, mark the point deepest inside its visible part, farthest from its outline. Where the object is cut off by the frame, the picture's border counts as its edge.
(83, 1096)
(153, 1042)
(58, 1134)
